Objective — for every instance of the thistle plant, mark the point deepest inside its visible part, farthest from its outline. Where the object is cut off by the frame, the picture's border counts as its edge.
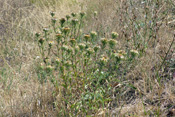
(72, 59)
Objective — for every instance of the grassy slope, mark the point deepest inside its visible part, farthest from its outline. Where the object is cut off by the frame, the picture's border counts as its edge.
(21, 93)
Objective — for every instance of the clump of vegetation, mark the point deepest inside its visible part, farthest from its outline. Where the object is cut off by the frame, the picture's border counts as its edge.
(82, 66)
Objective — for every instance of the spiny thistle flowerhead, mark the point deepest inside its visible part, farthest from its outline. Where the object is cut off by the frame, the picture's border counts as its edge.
(73, 41)
(45, 30)
(90, 51)
(118, 56)
(134, 53)
(93, 34)
(58, 36)
(62, 21)
(49, 68)
(112, 43)
(87, 37)
(52, 13)
(82, 46)
(95, 13)
(66, 30)
(41, 41)
(37, 34)
(67, 17)
(53, 20)
(104, 41)
(73, 14)
(114, 35)
(82, 14)
(50, 43)
(74, 21)
(103, 59)
(122, 52)
(96, 48)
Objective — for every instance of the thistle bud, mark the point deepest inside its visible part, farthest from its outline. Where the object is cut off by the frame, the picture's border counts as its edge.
(49, 68)
(37, 34)
(45, 30)
(58, 60)
(53, 20)
(90, 51)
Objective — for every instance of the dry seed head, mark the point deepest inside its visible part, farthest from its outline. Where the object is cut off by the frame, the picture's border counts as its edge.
(104, 59)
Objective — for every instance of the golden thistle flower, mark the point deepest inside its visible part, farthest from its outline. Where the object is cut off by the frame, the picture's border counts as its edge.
(114, 35)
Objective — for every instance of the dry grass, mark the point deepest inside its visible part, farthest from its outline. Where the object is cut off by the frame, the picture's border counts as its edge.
(22, 95)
